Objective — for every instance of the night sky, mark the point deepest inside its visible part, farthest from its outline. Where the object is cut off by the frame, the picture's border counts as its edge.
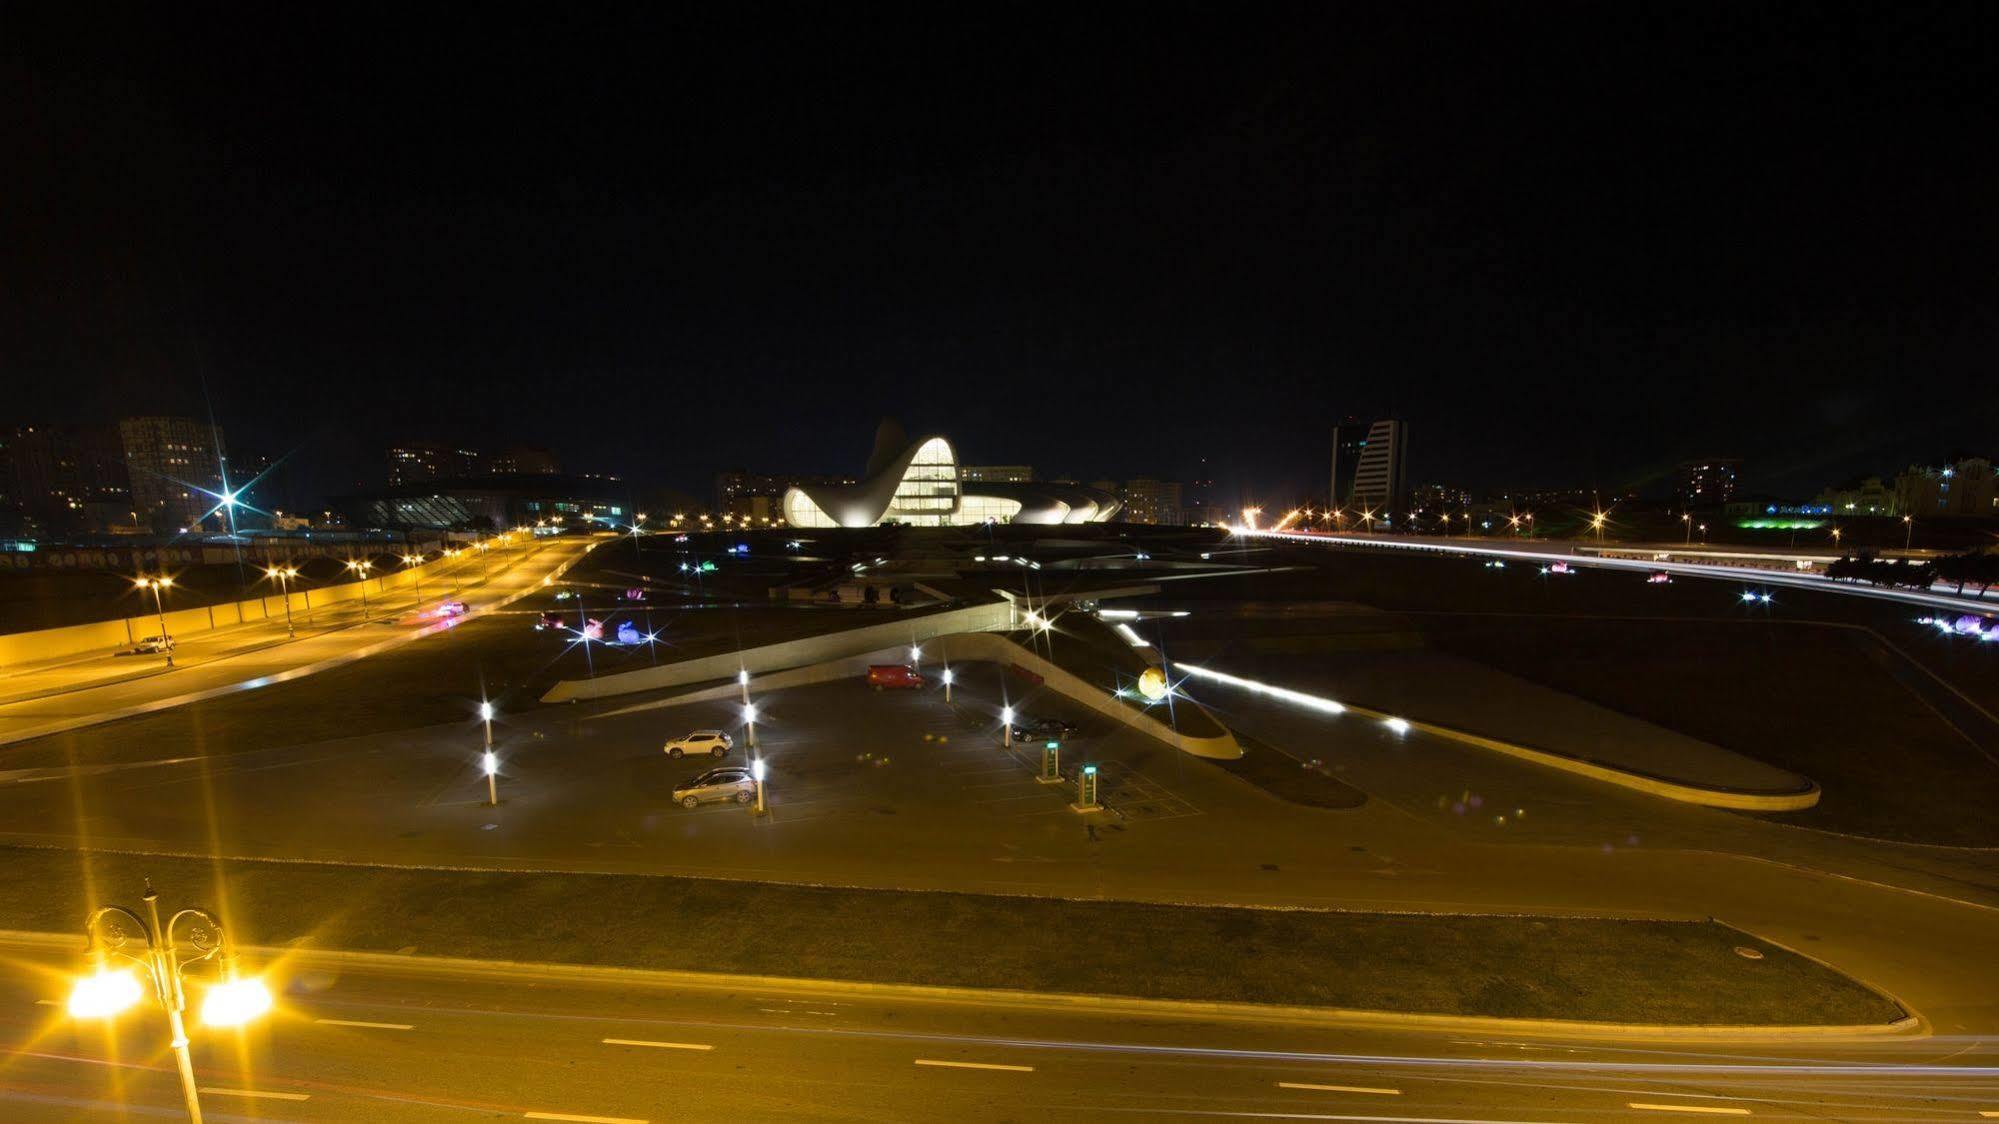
(1570, 244)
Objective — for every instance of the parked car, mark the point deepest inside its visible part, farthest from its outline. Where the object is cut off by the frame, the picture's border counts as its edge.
(449, 609)
(1659, 577)
(1560, 568)
(549, 621)
(717, 785)
(885, 675)
(714, 743)
(1043, 730)
(154, 645)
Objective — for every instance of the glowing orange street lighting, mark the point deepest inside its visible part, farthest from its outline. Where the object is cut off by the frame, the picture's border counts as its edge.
(283, 576)
(159, 607)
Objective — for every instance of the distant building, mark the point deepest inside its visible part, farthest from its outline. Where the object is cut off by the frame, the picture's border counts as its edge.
(1864, 496)
(175, 466)
(1709, 482)
(1152, 501)
(523, 460)
(1370, 465)
(1963, 488)
(760, 495)
(916, 482)
(488, 502)
(996, 473)
(62, 480)
(414, 461)
(1439, 497)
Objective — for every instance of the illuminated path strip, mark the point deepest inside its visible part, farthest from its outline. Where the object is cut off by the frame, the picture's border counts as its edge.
(1712, 571)
(976, 1065)
(1379, 1092)
(1705, 1110)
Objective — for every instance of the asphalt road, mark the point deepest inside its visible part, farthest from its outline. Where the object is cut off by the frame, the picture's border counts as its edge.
(85, 692)
(446, 1042)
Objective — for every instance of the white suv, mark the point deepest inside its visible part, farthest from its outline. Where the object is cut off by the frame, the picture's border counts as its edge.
(715, 743)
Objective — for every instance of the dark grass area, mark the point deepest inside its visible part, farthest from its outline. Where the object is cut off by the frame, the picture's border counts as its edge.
(1287, 778)
(1421, 584)
(1680, 973)
(1818, 701)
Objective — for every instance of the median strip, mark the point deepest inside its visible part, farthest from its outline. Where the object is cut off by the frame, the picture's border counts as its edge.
(1340, 1088)
(657, 1045)
(577, 1119)
(254, 1094)
(1705, 1110)
(976, 1065)
(364, 1025)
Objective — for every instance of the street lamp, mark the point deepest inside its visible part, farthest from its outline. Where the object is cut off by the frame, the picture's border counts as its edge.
(1006, 726)
(283, 576)
(757, 771)
(489, 762)
(159, 607)
(947, 684)
(1908, 540)
(411, 562)
(1689, 521)
(750, 724)
(232, 1001)
(361, 572)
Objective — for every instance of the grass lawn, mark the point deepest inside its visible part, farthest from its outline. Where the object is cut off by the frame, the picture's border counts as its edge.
(1813, 700)
(1636, 971)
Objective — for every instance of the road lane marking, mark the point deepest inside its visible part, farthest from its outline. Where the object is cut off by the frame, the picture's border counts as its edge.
(657, 1045)
(48, 1002)
(1708, 1110)
(582, 1119)
(256, 1094)
(1990, 1113)
(976, 1065)
(1340, 1088)
(364, 1025)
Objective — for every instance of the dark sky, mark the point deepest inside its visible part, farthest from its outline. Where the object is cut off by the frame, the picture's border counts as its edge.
(1570, 244)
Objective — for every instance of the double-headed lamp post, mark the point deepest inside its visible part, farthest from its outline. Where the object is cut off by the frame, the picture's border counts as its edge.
(361, 572)
(157, 585)
(489, 762)
(411, 562)
(233, 1000)
(283, 575)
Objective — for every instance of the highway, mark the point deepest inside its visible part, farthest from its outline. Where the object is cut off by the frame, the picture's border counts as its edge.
(1579, 554)
(40, 701)
(416, 1042)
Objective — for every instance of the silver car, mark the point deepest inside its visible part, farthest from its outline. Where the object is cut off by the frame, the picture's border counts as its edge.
(717, 785)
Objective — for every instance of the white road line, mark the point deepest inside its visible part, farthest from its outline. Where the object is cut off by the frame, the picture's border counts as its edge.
(657, 1045)
(1340, 1088)
(364, 1025)
(48, 1002)
(582, 1119)
(254, 1093)
(976, 1065)
(1703, 1109)
(1989, 1113)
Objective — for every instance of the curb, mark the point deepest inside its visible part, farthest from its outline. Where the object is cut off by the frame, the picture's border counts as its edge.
(994, 998)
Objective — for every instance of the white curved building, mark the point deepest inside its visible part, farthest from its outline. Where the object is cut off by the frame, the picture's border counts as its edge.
(917, 483)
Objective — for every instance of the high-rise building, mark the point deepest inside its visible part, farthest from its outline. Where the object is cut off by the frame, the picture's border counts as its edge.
(412, 461)
(65, 479)
(1963, 487)
(1710, 481)
(760, 495)
(1147, 500)
(1370, 465)
(523, 460)
(996, 473)
(176, 470)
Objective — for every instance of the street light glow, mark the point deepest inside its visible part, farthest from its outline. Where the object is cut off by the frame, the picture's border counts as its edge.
(105, 994)
(757, 769)
(1006, 715)
(486, 711)
(235, 1002)
(947, 677)
(1398, 725)
(490, 762)
(749, 712)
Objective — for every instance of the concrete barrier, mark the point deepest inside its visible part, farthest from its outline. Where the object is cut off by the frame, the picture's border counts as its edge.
(899, 632)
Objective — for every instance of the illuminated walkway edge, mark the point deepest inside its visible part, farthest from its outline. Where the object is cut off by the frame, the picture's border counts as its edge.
(1742, 800)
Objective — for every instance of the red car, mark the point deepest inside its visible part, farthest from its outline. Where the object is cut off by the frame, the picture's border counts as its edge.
(882, 676)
